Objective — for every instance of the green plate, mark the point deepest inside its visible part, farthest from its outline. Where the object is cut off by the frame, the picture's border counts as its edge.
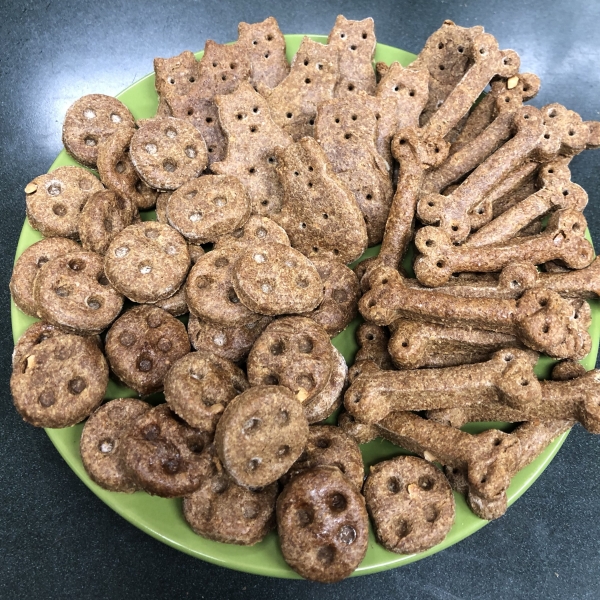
(163, 518)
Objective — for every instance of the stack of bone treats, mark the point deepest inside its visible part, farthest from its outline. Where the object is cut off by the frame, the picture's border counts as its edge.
(288, 173)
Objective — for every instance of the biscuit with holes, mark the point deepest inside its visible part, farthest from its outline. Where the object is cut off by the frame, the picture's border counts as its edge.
(275, 279)
(168, 152)
(28, 265)
(89, 121)
(175, 76)
(72, 292)
(164, 456)
(362, 433)
(293, 352)
(411, 504)
(147, 262)
(199, 386)
(59, 382)
(143, 344)
(176, 304)
(260, 435)
(319, 212)
(54, 200)
(222, 68)
(323, 525)
(104, 215)
(204, 209)
(256, 230)
(210, 293)
(100, 443)
(232, 343)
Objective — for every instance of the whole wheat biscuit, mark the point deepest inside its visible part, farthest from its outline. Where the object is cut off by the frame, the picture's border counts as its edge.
(72, 292)
(232, 343)
(264, 45)
(176, 304)
(340, 300)
(167, 152)
(360, 432)
(28, 265)
(162, 200)
(223, 67)
(59, 382)
(210, 293)
(312, 78)
(199, 386)
(54, 200)
(372, 343)
(260, 435)
(319, 212)
(254, 231)
(322, 524)
(224, 511)
(118, 173)
(275, 279)
(147, 262)
(142, 345)
(163, 455)
(89, 121)
(327, 445)
(293, 352)
(100, 443)
(176, 75)
(105, 214)
(206, 208)
(252, 137)
(411, 504)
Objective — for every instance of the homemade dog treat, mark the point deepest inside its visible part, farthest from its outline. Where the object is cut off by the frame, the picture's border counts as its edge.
(253, 135)
(163, 455)
(175, 76)
(345, 129)
(507, 378)
(204, 209)
(260, 435)
(176, 304)
(199, 386)
(312, 78)
(567, 369)
(168, 152)
(105, 214)
(147, 262)
(71, 291)
(372, 343)
(224, 511)
(28, 265)
(319, 212)
(54, 200)
(294, 352)
(322, 524)
(355, 41)
(59, 382)
(410, 502)
(584, 283)
(222, 68)
(100, 444)
(361, 432)
(256, 230)
(143, 344)
(89, 121)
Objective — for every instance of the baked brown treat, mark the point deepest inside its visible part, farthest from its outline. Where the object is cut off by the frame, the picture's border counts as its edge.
(411, 504)
(204, 209)
(372, 343)
(100, 443)
(163, 455)
(260, 435)
(362, 433)
(232, 343)
(168, 152)
(327, 445)
(90, 120)
(175, 76)
(176, 304)
(199, 386)
(222, 68)
(294, 352)
(72, 292)
(59, 381)
(118, 173)
(210, 293)
(256, 230)
(28, 265)
(54, 200)
(273, 279)
(143, 344)
(147, 262)
(161, 207)
(322, 524)
(105, 214)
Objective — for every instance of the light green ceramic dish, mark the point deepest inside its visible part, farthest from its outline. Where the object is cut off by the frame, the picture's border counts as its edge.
(163, 518)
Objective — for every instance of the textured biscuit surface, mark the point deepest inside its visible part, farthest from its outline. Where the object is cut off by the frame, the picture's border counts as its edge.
(256, 230)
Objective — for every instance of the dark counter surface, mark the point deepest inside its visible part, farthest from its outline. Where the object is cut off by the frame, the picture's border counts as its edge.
(57, 540)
